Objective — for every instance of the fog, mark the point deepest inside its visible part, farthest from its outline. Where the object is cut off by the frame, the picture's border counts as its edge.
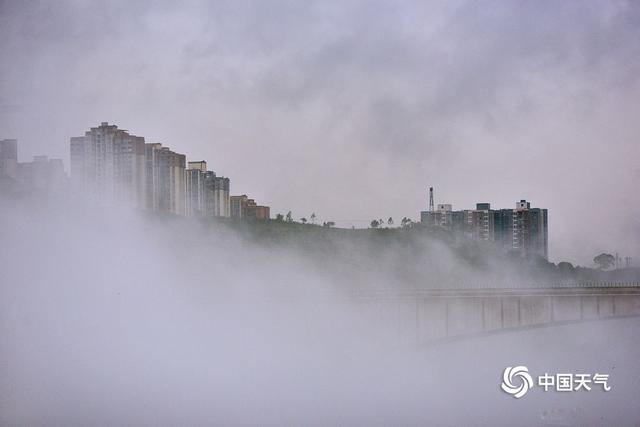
(352, 109)
(349, 110)
(114, 317)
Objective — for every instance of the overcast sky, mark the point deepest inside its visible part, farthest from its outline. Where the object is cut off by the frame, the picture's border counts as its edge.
(352, 109)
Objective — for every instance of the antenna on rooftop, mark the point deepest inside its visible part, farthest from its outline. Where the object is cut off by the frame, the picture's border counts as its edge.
(431, 209)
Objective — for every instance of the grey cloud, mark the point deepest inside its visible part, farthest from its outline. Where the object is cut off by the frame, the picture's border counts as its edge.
(417, 93)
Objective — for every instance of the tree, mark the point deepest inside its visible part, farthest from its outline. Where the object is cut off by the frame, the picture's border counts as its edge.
(280, 217)
(289, 217)
(390, 222)
(406, 223)
(565, 268)
(604, 261)
(303, 220)
(313, 218)
(375, 223)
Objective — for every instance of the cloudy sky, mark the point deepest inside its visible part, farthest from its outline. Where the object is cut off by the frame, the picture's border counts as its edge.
(351, 109)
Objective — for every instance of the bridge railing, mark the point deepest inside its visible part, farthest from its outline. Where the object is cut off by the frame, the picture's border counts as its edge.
(492, 287)
(530, 285)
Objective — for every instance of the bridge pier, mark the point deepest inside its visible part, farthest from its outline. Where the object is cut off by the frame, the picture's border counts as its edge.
(606, 307)
(438, 314)
(590, 309)
(492, 314)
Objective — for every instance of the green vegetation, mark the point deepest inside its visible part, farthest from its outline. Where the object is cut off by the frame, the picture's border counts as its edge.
(410, 255)
(604, 261)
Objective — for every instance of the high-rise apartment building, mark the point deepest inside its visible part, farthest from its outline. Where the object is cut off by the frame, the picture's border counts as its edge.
(8, 158)
(152, 176)
(216, 195)
(480, 222)
(530, 229)
(239, 206)
(222, 194)
(503, 227)
(523, 229)
(207, 193)
(112, 166)
(165, 178)
(195, 188)
(108, 165)
(42, 174)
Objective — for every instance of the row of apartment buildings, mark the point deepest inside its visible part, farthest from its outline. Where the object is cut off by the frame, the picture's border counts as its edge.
(114, 167)
(42, 173)
(523, 229)
(244, 207)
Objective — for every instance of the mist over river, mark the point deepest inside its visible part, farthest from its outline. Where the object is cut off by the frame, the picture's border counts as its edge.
(112, 318)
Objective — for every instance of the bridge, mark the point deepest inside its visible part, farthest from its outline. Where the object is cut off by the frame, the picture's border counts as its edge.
(431, 315)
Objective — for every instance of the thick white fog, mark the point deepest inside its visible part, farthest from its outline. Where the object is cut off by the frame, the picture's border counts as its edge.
(350, 110)
(112, 317)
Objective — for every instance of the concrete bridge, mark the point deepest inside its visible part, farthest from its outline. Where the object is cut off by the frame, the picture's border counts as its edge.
(425, 316)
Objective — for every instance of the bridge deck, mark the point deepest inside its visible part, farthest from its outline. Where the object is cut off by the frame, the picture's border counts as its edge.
(429, 315)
